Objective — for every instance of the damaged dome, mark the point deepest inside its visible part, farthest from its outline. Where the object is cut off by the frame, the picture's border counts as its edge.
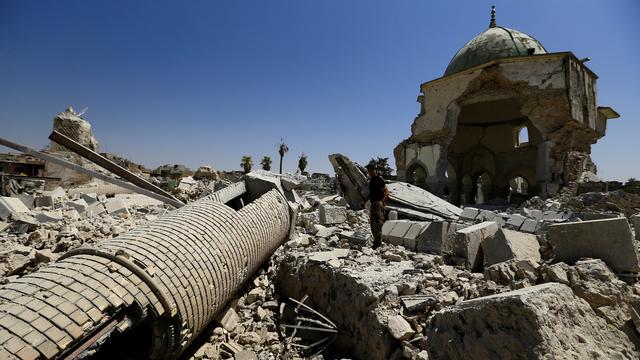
(494, 43)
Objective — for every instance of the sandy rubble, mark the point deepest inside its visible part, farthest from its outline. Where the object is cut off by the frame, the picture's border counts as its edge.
(387, 303)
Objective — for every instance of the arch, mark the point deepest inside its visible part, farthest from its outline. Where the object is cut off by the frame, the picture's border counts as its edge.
(519, 185)
(417, 174)
(484, 188)
(451, 182)
(521, 136)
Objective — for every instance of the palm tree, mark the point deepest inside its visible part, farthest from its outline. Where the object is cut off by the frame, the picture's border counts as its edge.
(282, 149)
(246, 163)
(302, 163)
(266, 163)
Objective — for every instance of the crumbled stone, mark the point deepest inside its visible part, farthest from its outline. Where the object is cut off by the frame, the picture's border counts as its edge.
(399, 328)
(572, 241)
(508, 244)
(330, 215)
(543, 321)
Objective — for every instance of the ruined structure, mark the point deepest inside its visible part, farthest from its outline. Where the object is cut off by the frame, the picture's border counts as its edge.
(506, 118)
(158, 286)
(74, 126)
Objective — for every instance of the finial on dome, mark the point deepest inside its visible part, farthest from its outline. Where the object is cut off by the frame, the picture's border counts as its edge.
(492, 24)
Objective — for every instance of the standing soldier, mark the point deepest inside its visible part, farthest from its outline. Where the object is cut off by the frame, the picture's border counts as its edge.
(378, 195)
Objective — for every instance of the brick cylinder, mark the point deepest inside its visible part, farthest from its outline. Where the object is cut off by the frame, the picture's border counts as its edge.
(175, 273)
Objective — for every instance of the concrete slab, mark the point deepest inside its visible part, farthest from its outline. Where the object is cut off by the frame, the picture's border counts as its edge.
(468, 240)
(411, 237)
(515, 222)
(44, 201)
(330, 215)
(432, 239)
(469, 214)
(49, 216)
(530, 226)
(396, 237)
(486, 215)
(96, 209)
(80, 205)
(115, 206)
(508, 244)
(27, 199)
(10, 206)
(90, 198)
(608, 239)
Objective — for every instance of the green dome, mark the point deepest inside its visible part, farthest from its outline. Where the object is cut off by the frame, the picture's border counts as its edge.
(494, 43)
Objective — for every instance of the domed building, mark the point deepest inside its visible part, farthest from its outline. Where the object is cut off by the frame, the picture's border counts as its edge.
(506, 120)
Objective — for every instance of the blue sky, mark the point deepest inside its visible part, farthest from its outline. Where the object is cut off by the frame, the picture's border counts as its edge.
(206, 82)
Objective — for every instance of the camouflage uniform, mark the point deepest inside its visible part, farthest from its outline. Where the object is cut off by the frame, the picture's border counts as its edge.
(377, 220)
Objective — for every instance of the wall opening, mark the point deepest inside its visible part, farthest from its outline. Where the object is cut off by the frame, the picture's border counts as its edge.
(518, 185)
(417, 175)
(521, 137)
(484, 188)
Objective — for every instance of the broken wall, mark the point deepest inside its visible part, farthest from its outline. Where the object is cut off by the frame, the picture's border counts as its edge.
(475, 115)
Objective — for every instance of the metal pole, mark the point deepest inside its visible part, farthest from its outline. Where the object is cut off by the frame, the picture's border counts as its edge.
(95, 174)
(107, 164)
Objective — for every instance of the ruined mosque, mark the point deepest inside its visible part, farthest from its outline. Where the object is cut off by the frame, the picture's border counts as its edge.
(507, 118)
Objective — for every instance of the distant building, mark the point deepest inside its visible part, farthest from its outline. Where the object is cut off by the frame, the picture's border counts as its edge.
(172, 171)
(21, 165)
(507, 117)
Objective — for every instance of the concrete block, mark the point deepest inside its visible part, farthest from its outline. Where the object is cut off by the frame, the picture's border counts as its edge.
(486, 215)
(397, 233)
(508, 244)
(469, 214)
(10, 206)
(44, 201)
(115, 206)
(49, 216)
(393, 215)
(537, 214)
(515, 222)
(332, 214)
(500, 221)
(90, 198)
(80, 205)
(95, 209)
(399, 328)
(432, 239)
(537, 322)
(635, 220)
(57, 194)
(72, 214)
(404, 232)
(228, 319)
(468, 240)
(27, 199)
(412, 235)
(608, 239)
(530, 226)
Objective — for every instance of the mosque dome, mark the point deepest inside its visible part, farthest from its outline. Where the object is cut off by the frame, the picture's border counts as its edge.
(494, 43)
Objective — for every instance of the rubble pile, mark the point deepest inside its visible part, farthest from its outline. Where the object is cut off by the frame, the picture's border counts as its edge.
(50, 223)
(246, 328)
(544, 279)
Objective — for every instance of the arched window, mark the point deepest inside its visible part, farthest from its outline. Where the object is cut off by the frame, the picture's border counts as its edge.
(484, 188)
(519, 185)
(521, 138)
(417, 175)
